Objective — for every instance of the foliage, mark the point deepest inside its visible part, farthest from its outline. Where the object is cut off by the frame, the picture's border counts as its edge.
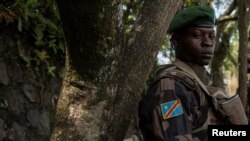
(3, 103)
(222, 5)
(231, 61)
(191, 3)
(166, 53)
(40, 19)
(130, 12)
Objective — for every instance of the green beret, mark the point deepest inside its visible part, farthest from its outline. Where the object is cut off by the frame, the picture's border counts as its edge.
(195, 16)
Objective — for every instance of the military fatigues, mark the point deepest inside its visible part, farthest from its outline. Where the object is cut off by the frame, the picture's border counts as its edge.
(172, 109)
(177, 108)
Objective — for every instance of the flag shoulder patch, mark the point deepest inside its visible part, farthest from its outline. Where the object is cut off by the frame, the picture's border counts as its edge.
(171, 109)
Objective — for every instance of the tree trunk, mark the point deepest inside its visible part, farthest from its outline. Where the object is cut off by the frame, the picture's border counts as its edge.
(243, 40)
(91, 35)
(223, 34)
(90, 29)
(221, 51)
(135, 64)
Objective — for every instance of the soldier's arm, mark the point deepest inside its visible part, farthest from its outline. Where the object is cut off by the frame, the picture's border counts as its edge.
(170, 114)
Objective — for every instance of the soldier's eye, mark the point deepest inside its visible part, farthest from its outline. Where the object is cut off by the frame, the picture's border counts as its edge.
(212, 37)
(197, 36)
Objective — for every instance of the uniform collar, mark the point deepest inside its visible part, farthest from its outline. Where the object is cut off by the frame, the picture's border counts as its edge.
(200, 71)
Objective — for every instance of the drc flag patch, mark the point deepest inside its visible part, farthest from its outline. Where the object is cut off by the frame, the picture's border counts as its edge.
(171, 109)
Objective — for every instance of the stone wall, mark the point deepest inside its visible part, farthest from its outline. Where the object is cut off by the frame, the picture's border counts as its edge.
(28, 96)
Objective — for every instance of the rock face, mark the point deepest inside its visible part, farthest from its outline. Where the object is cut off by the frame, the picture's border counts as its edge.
(4, 78)
(27, 95)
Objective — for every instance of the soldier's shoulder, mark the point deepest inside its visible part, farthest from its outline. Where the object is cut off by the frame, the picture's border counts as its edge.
(163, 68)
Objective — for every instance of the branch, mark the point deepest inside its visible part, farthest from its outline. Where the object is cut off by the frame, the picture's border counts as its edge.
(225, 19)
(230, 9)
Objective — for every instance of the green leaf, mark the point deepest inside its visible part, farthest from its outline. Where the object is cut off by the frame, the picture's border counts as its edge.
(25, 58)
(61, 46)
(51, 70)
(51, 25)
(53, 45)
(40, 43)
(42, 55)
(31, 3)
(3, 104)
(19, 24)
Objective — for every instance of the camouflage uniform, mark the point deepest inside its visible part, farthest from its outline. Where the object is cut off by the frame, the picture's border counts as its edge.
(154, 127)
(176, 107)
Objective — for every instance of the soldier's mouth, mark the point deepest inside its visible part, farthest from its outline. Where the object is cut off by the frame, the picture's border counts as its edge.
(207, 55)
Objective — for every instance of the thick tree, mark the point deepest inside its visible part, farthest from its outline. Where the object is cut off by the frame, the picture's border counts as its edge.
(224, 30)
(98, 97)
(243, 23)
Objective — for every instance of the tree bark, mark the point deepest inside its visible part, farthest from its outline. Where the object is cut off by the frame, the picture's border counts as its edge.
(135, 64)
(243, 40)
(85, 96)
(90, 32)
(222, 49)
(223, 33)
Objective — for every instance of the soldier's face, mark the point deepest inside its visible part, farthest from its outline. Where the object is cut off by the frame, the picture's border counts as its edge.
(196, 45)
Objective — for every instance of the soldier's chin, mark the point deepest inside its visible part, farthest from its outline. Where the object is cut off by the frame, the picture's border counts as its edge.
(205, 62)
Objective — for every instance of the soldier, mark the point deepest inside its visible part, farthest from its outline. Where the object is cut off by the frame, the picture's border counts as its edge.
(180, 103)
